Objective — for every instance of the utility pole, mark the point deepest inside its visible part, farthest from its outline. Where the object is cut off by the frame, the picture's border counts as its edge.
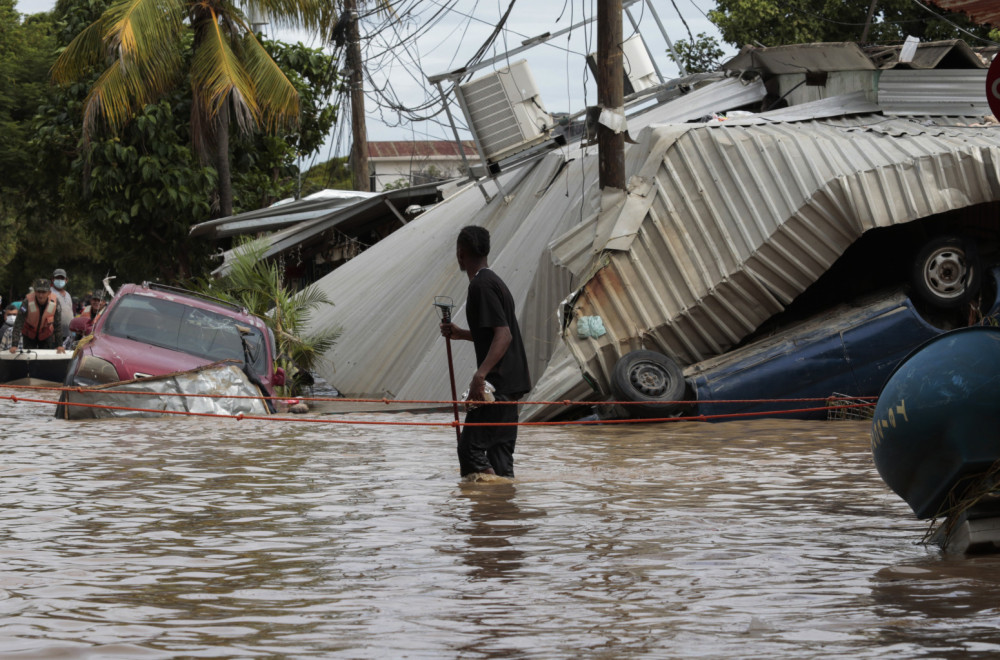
(359, 144)
(868, 22)
(610, 93)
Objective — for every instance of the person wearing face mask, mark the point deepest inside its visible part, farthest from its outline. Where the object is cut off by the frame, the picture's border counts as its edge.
(9, 316)
(63, 298)
(39, 323)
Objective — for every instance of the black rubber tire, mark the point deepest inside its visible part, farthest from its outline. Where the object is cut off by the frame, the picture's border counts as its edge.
(651, 378)
(946, 272)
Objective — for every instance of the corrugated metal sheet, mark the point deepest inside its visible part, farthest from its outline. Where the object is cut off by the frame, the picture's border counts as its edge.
(951, 54)
(282, 214)
(849, 56)
(727, 224)
(843, 56)
(717, 97)
(325, 204)
(982, 11)
(855, 103)
(793, 89)
(383, 298)
(952, 92)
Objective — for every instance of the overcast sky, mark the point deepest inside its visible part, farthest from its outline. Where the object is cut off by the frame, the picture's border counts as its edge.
(429, 37)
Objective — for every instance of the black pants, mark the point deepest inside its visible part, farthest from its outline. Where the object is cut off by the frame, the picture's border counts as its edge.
(484, 447)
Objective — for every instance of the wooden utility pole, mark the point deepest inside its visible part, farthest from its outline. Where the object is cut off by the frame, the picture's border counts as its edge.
(868, 22)
(610, 93)
(359, 144)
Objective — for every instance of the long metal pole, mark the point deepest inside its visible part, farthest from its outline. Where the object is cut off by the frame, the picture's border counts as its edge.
(670, 44)
(446, 317)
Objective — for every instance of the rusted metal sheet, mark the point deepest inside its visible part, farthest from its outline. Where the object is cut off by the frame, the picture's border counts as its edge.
(981, 11)
(737, 220)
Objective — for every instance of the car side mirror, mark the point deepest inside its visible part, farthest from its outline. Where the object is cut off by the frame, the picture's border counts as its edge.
(279, 377)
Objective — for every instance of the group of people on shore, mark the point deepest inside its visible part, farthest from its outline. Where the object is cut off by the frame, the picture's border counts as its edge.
(42, 319)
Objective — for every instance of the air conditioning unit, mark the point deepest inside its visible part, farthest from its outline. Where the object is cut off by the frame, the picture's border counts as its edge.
(639, 70)
(505, 112)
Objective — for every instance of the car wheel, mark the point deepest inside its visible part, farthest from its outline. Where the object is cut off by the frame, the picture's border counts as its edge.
(946, 272)
(651, 378)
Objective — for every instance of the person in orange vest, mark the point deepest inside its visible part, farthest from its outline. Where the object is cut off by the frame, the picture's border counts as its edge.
(39, 322)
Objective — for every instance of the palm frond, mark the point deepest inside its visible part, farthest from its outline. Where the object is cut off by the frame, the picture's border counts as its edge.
(83, 53)
(220, 77)
(276, 96)
(116, 96)
(145, 34)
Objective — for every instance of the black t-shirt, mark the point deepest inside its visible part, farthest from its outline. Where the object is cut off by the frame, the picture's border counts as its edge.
(489, 306)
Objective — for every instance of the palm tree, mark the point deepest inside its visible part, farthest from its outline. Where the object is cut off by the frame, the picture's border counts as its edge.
(138, 44)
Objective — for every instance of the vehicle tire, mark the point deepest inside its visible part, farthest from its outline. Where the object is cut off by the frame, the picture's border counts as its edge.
(647, 376)
(946, 272)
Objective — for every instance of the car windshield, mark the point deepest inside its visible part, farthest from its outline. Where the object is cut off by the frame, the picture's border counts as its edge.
(180, 327)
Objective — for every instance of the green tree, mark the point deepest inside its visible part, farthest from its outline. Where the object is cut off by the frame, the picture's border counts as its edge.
(265, 167)
(138, 45)
(778, 22)
(334, 174)
(259, 286)
(699, 55)
(27, 50)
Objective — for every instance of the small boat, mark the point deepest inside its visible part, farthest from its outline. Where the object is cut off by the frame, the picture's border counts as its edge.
(936, 431)
(43, 364)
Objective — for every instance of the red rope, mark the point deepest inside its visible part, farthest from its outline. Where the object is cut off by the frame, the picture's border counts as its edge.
(453, 423)
(386, 401)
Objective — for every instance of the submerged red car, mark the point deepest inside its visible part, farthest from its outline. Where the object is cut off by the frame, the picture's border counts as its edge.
(153, 329)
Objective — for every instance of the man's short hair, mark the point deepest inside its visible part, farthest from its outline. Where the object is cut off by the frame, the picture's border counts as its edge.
(476, 239)
(9, 307)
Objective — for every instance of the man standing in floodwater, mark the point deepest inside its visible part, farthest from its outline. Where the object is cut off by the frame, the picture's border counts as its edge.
(500, 355)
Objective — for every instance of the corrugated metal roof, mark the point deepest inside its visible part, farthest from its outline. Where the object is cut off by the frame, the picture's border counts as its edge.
(716, 97)
(855, 103)
(390, 344)
(981, 11)
(951, 54)
(950, 92)
(320, 207)
(727, 224)
(350, 217)
(419, 149)
(849, 56)
(798, 58)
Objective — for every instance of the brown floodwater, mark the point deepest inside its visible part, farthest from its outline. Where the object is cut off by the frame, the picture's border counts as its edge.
(197, 538)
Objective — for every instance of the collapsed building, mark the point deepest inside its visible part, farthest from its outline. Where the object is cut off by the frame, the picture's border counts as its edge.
(745, 188)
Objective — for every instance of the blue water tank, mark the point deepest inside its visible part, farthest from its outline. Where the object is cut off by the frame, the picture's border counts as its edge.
(937, 421)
